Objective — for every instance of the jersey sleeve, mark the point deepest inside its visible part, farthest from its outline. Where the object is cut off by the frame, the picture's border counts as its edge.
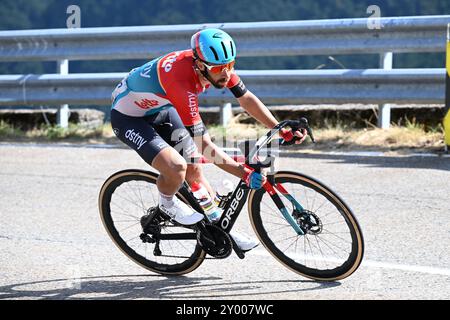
(185, 102)
(236, 86)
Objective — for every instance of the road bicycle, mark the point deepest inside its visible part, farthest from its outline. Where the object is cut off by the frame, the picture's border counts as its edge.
(301, 222)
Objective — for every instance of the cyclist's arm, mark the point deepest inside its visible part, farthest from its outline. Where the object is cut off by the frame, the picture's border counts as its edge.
(186, 104)
(250, 103)
(217, 156)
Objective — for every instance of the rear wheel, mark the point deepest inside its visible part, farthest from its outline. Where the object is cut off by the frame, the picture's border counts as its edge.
(332, 247)
(126, 198)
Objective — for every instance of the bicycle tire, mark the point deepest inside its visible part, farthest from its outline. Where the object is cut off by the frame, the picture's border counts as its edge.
(357, 243)
(193, 260)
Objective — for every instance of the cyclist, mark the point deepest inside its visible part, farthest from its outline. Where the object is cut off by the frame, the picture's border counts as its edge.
(155, 112)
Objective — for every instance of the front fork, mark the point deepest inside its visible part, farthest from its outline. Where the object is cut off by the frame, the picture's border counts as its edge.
(269, 187)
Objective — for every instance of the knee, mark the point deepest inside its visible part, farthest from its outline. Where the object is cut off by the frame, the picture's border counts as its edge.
(177, 171)
(171, 166)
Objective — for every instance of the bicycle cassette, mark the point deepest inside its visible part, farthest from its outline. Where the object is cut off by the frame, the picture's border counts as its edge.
(214, 241)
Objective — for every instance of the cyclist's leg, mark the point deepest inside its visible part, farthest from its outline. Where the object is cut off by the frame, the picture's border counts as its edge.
(178, 137)
(138, 134)
(194, 173)
(171, 128)
(172, 168)
(142, 137)
(154, 139)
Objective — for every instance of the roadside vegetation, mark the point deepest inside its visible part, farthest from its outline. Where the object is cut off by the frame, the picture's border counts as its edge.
(49, 133)
(411, 137)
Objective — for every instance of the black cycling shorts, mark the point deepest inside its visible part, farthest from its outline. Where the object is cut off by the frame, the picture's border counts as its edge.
(149, 135)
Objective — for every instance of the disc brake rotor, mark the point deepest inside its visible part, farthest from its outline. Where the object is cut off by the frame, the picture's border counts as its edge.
(309, 222)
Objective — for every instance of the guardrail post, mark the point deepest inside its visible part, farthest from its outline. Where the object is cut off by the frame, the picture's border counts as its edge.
(62, 117)
(226, 113)
(384, 110)
(447, 95)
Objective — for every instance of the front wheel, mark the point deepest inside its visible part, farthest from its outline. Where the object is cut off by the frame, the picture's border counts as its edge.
(332, 247)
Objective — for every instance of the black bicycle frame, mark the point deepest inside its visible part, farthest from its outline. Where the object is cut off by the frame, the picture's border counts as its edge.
(237, 200)
(234, 204)
(233, 207)
(231, 210)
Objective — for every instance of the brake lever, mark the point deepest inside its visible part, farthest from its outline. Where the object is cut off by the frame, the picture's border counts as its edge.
(297, 125)
(310, 134)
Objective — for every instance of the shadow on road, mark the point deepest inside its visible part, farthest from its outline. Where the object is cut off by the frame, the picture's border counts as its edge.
(155, 287)
(413, 162)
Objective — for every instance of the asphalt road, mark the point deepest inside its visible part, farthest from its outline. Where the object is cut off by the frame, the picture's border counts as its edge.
(53, 244)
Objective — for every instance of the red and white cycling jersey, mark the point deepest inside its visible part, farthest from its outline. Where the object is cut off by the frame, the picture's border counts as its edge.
(167, 81)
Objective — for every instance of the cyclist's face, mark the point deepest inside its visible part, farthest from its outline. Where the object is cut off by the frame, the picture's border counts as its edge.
(220, 79)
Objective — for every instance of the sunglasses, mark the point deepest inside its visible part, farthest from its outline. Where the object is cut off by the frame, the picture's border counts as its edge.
(219, 68)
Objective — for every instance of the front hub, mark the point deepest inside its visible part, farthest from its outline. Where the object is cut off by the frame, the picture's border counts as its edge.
(308, 221)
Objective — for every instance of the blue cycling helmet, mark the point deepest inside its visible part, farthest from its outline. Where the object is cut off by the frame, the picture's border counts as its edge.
(213, 46)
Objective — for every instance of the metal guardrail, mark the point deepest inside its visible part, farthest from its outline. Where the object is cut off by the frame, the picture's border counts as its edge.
(279, 38)
(282, 38)
(273, 87)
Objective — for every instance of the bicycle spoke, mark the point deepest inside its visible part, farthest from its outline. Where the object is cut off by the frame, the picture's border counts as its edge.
(313, 202)
(271, 210)
(279, 228)
(310, 249)
(328, 243)
(121, 230)
(142, 201)
(153, 197)
(335, 222)
(133, 203)
(123, 210)
(284, 239)
(135, 194)
(124, 221)
(334, 234)
(324, 251)
(291, 244)
(320, 249)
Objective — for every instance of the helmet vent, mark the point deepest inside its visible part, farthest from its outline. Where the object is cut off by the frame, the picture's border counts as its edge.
(224, 50)
(232, 49)
(215, 53)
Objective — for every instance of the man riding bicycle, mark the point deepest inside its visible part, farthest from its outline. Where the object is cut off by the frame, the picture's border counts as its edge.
(155, 112)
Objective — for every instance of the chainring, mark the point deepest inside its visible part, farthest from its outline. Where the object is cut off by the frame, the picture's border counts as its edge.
(217, 244)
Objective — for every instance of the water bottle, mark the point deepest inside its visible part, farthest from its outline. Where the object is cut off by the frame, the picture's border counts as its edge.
(206, 202)
(223, 191)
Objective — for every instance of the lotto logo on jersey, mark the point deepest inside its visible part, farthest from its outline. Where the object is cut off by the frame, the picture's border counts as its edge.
(146, 103)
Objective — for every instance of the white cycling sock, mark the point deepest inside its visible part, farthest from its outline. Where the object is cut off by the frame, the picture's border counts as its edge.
(165, 200)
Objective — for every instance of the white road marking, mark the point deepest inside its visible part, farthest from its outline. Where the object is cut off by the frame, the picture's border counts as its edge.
(377, 264)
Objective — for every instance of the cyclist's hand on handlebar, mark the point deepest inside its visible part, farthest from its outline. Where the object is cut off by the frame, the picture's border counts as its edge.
(287, 135)
(253, 179)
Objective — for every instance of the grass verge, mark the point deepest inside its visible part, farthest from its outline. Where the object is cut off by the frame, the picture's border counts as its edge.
(413, 137)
